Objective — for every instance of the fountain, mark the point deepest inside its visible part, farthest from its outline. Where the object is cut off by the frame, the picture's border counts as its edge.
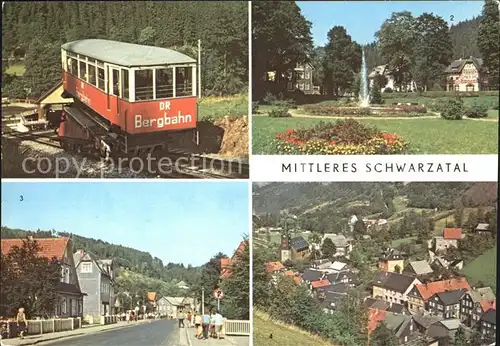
(364, 97)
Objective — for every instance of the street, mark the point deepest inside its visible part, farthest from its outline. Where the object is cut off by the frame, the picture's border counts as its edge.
(156, 333)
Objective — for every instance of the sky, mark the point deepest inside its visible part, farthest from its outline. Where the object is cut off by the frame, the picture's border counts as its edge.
(362, 19)
(180, 222)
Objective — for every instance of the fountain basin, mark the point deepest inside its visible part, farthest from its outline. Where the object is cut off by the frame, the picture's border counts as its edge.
(396, 110)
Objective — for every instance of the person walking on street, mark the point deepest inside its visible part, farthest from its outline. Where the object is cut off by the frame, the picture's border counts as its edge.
(189, 317)
(198, 321)
(181, 317)
(219, 322)
(21, 322)
(206, 325)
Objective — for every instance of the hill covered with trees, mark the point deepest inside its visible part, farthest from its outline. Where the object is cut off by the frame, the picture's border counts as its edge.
(33, 32)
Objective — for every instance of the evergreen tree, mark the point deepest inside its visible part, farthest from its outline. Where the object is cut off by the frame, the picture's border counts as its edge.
(488, 41)
(328, 248)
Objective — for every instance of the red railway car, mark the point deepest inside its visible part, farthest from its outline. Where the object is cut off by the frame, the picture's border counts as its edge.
(127, 96)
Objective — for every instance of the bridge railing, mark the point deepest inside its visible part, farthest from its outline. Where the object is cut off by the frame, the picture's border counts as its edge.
(237, 327)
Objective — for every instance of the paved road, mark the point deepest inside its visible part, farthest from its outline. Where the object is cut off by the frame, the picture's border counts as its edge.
(156, 333)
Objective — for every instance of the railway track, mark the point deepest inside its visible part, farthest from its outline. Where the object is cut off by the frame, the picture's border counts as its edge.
(183, 164)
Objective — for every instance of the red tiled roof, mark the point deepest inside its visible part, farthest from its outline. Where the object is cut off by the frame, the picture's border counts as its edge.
(49, 247)
(226, 263)
(296, 277)
(375, 316)
(151, 296)
(428, 290)
(488, 304)
(320, 283)
(452, 233)
(272, 267)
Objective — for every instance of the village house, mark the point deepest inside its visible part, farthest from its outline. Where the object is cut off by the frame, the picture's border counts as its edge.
(391, 82)
(182, 285)
(393, 287)
(488, 325)
(299, 248)
(446, 304)
(274, 268)
(420, 294)
(342, 244)
(402, 325)
(448, 262)
(321, 264)
(330, 301)
(484, 229)
(96, 278)
(69, 301)
(311, 275)
(418, 268)
(382, 305)
(169, 306)
(450, 238)
(475, 303)
(444, 331)
(466, 75)
(152, 299)
(391, 260)
(301, 79)
(226, 264)
(424, 322)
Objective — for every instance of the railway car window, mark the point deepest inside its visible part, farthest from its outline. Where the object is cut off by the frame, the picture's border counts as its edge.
(183, 81)
(72, 66)
(116, 82)
(164, 83)
(101, 82)
(82, 72)
(125, 85)
(92, 75)
(143, 85)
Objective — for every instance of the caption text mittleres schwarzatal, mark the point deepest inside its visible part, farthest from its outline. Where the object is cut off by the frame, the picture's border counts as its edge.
(421, 167)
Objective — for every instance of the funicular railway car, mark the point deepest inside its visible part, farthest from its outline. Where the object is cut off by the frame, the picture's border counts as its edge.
(127, 96)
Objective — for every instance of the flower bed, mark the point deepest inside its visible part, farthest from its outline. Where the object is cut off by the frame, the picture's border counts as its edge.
(394, 110)
(344, 137)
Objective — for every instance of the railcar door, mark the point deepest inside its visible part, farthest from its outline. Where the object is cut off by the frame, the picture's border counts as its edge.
(108, 86)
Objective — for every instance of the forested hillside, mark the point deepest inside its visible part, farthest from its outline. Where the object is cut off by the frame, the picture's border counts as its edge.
(32, 33)
(326, 207)
(125, 257)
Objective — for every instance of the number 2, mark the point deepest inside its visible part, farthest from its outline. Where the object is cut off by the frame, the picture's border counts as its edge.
(451, 18)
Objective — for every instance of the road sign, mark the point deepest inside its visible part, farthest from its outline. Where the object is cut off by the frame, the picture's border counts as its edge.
(218, 294)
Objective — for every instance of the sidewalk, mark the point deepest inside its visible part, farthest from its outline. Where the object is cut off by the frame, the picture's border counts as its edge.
(85, 330)
(227, 341)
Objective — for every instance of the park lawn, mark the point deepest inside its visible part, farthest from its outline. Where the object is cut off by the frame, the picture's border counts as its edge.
(483, 268)
(16, 70)
(218, 107)
(282, 334)
(426, 136)
(493, 114)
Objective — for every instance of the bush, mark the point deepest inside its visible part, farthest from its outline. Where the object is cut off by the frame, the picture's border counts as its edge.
(284, 104)
(279, 113)
(255, 107)
(388, 90)
(453, 109)
(269, 98)
(336, 110)
(476, 111)
(376, 96)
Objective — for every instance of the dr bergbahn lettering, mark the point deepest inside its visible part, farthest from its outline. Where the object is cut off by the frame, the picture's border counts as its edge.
(162, 121)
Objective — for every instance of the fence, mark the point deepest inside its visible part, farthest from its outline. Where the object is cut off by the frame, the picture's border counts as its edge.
(101, 319)
(237, 327)
(45, 326)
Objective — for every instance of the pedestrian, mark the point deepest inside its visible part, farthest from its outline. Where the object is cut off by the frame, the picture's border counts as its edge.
(21, 323)
(181, 318)
(206, 325)
(198, 321)
(212, 324)
(219, 322)
(189, 317)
